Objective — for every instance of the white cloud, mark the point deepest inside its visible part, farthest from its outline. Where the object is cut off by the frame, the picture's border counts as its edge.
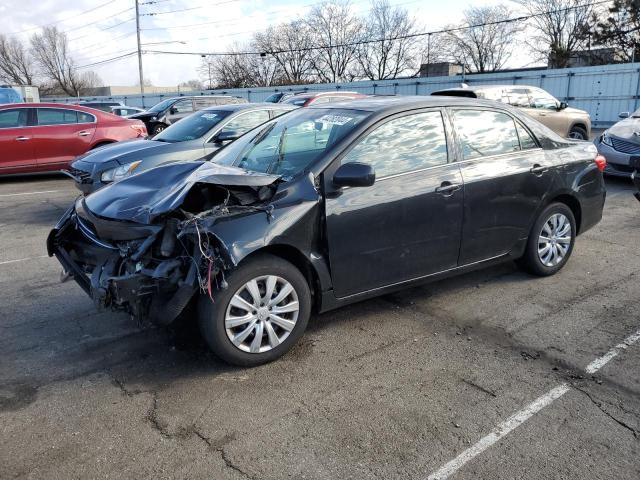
(228, 22)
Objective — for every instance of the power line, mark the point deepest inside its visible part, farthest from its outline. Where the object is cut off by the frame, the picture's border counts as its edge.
(103, 29)
(366, 42)
(108, 60)
(188, 9)
(62, 20)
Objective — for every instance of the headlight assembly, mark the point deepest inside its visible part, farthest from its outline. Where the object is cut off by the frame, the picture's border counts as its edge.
(120, 172)
(606, 139)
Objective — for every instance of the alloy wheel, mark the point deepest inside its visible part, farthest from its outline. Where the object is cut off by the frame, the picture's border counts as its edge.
(554, 240)
(262, 314)
(576, 135)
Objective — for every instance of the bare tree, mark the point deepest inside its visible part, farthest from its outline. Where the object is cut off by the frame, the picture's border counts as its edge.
(50, 51)
(289, 45)
(334, 30)
(16, 65)
(561, 28)
(206, 70)
(395, 52)
(194, 84)
(485, 41)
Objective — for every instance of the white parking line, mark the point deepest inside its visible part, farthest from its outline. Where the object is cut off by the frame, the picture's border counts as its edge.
(6, 262)
(30, 193)
(598, 363)
(526, 413)
(510, 424)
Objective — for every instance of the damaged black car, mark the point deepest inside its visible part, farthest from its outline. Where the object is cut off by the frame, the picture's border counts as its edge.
(327, 206)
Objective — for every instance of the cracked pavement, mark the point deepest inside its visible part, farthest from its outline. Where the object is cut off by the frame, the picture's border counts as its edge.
(389, 388)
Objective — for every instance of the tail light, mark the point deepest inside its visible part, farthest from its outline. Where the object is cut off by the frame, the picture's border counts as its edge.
(601, 162)
(140, 129)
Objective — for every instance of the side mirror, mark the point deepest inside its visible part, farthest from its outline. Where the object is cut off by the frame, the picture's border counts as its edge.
(354, 175)
(227, 136)
(624, 115)
(173, 110)
(563, 105)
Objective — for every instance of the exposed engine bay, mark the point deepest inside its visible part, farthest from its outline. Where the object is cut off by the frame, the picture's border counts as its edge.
(148, 258)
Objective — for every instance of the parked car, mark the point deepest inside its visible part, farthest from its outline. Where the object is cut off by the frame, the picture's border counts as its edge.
(125, 110)
(37, 137)
(278, 97)
(315, 98)
(105, 106)
(330, 205)
(169, 111)
(620, 145)
(541, 105)
(9, 95)
(199, 135)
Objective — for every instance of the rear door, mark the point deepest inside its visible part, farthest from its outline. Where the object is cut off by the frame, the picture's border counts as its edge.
(505, 176)
(16, 139)
(61, 135)
(408, 224)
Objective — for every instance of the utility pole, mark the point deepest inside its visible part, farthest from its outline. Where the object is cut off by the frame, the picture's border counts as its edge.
(139, 50)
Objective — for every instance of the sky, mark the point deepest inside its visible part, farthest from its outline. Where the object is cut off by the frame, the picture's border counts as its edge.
(195, 25)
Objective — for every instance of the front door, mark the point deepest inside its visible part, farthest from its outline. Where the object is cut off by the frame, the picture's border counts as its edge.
(16, 140)
(408, 224)
(179, 110)
(505, 177)
(546, 109)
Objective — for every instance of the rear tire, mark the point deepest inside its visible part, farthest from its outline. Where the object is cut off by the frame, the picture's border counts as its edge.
(259, 326)
(578, 133)
(550, 241)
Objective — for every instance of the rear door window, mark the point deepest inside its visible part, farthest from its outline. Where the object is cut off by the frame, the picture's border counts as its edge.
(483, 133)
(404, 144)
(85, 118)
(527, 142)
(56, 116)
(13, 118)
(246, 121)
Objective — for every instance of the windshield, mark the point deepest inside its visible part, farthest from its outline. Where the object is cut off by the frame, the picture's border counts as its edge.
(290, 144)
(192, 127)
(163, 105)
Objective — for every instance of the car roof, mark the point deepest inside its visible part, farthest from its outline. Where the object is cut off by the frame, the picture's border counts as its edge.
(404, 103)
(232, 107)
(50, 105)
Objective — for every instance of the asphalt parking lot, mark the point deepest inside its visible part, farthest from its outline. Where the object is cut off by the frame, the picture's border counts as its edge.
(483, 376)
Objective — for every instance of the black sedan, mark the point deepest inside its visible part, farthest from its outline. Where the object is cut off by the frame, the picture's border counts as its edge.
(199, 135)
(330, 205)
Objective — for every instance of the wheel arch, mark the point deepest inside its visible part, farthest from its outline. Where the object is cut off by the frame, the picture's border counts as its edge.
(573, 203)
(101, 143)
(299, 260)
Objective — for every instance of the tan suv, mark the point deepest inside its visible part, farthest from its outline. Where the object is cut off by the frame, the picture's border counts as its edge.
(541, 105)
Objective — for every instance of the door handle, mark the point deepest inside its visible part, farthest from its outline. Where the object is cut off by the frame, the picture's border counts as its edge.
(23, 139)
(538, 169)
(84, 133)
(447, 188)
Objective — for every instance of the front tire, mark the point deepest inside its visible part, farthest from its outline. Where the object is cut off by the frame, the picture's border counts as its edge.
(578, 133)
(158, 128)
(551, 241)
(261, 314)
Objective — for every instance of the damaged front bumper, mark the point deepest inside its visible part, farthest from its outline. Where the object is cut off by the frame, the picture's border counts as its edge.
(149, 271)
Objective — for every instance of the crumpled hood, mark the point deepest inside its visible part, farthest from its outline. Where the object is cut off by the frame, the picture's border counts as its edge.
(143, 197)
(133, 150)
(628, 129)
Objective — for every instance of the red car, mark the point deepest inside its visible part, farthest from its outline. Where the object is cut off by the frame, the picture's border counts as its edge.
(38, 137)
(311, 98)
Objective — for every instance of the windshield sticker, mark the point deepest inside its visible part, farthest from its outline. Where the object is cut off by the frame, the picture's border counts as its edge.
(335, 119)
(209, 116)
